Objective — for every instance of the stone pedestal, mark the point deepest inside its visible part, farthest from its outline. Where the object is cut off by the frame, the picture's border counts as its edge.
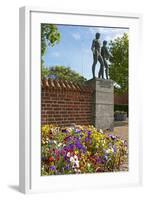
(103, 103)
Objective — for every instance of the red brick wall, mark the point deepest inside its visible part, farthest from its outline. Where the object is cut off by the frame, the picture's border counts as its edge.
(121, 99)
(64, 103)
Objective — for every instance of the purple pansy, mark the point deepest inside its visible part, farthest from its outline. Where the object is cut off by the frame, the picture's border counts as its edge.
(77, 130)
(67, 167)
(89, 133)
(113, 137)
(64, 131)
(52, 168)
(71, 147)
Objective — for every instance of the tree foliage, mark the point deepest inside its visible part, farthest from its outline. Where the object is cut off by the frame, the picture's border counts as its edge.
(62, 73)
(119, 62)
(49, 36)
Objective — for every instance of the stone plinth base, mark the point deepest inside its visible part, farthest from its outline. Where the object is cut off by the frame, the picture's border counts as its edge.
(103, 103)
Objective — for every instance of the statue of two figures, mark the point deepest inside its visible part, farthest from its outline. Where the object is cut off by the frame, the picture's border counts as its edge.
(100, 54)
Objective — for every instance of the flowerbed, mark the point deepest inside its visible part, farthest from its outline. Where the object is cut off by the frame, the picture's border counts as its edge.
(80, 149)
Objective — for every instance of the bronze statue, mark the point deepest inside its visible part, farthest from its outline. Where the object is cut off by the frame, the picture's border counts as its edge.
(97, 56)
(105, 55)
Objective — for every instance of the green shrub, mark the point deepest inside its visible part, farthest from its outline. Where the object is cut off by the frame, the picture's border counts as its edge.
(121, 108)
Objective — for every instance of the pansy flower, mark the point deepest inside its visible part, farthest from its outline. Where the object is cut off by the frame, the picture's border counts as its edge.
(52, 168)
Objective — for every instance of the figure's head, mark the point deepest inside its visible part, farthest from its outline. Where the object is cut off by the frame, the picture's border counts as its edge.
(97, 35)
(104, 42)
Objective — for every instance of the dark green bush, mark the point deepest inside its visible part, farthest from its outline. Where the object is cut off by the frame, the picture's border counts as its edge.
(121, 108)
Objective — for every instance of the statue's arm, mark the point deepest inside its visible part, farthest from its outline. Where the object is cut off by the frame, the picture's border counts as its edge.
(93, 45)
(107, 53)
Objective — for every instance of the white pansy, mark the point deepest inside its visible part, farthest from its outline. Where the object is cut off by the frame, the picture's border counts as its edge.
(43, 142)
(100, 130)
(77, 164)
(88, 165)
(110, 150)
(68, 154)
(75, 157)
(123, 141)
(59, 144)
(77, 170)
(55, 142)
(72, 159)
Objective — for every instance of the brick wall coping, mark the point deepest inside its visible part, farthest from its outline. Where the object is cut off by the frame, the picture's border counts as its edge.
(65, 85)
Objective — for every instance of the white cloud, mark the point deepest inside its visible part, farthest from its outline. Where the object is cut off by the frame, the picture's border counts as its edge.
(120, 34)
(94, 30)
(106, 30)
(76, 36)
(108, 33)
(55, 54)
(117, 35)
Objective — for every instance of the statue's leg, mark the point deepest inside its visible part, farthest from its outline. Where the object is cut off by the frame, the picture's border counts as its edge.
(106, 73)
(94, 64)
(106, 68)
(101, 71)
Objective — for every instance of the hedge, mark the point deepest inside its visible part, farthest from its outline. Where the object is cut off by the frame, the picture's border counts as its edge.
(121, 108)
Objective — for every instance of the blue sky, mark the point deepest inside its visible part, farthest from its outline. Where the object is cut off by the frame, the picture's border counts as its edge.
(74, 49)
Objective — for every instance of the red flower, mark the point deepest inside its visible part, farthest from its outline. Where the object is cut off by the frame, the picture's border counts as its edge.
(57, 158)
(51, 159)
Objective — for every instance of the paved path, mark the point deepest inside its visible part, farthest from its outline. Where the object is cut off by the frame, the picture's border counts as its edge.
(121, 130)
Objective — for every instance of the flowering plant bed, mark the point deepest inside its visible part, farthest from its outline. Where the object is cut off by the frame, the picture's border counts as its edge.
(80, 149)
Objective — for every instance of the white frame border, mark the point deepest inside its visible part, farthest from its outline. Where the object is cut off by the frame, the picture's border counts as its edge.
(25, 91)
